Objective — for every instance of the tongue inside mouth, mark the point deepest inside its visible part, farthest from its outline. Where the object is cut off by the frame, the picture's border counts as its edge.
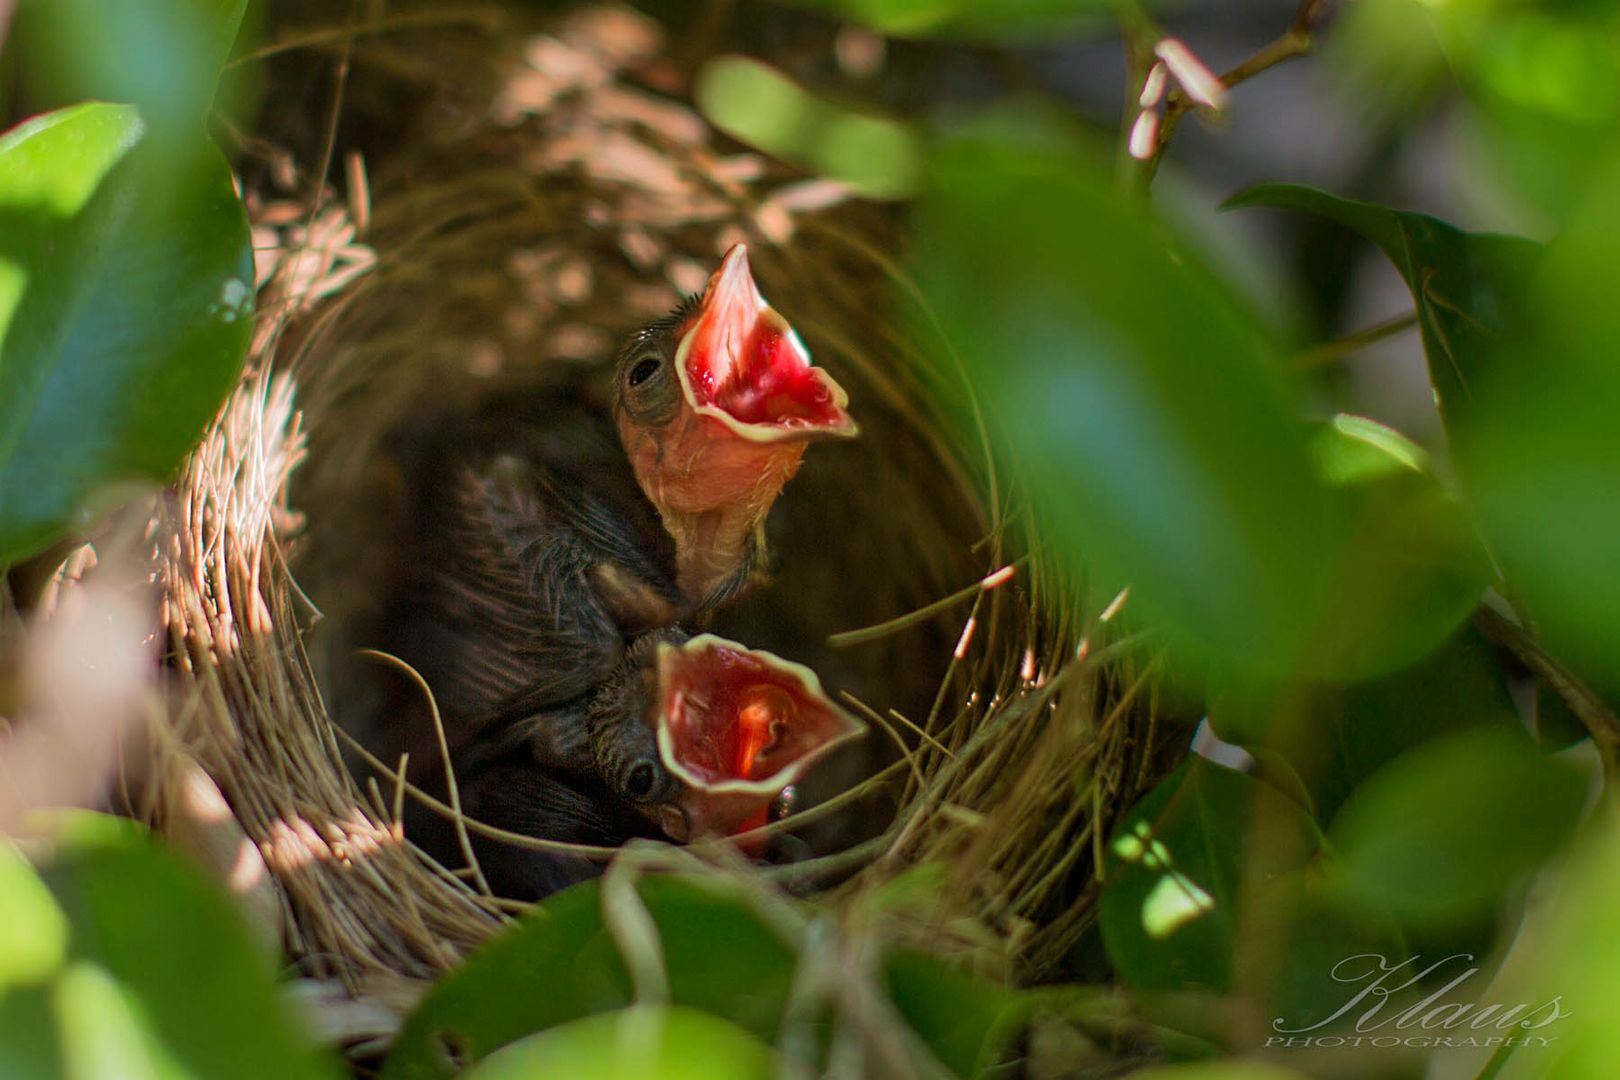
(738, 725)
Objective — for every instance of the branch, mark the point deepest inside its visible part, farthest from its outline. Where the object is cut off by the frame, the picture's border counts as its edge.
(1330, 351)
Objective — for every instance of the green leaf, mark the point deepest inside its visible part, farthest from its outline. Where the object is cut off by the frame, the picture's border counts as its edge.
(1439, 835)
(1169, 906)
(33, 933)
(979, 20)
(126, 291)
(1541, 466)
(966, 1022)
(1352, 732)
(1174, 911)
(645, 1042)
(1143, 406)
(103, 1033)
(1465, 285)
(1219, 1070)
(29, 1048)
(163, 56)
(187, 972)
(1567, 981)
(1413, 568)
(559, 964)
(758, 105)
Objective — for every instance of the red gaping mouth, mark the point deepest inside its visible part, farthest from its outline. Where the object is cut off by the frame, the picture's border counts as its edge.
(738, 725)
(742, 364)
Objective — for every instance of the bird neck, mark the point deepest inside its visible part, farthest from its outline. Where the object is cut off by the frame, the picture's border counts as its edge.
(712, 547)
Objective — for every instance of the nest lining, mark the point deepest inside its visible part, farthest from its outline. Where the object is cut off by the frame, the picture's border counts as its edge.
(1007, 735)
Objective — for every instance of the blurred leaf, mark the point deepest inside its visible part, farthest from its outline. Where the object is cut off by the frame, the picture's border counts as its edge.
(1218, 1070)
(1389, 56)
(758, 105)
(126, 287)
(180, 969)
(559, 964)
(1413, 569)
(1541, 87)
(1145, 408)
(29, 1049)
(102, 1033)
(1457, 688)
(1440, 834)
(1465, 285)
(1567, 981)
(162, 56)
(1541, 465)
(985, 20)
(646, 1042)
(33, 931)
(965, 1022)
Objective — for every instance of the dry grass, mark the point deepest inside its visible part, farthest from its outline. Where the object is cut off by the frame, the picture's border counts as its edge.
(1008, 732)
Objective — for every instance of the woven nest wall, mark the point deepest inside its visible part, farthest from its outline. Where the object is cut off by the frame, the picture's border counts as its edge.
(534, 214)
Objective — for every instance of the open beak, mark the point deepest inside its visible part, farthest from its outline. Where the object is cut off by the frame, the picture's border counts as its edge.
(751, 399)
(736, 726)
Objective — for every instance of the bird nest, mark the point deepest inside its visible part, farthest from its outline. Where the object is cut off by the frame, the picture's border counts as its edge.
(530, 219)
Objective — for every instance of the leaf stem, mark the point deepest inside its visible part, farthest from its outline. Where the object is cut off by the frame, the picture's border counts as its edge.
(1598, 719)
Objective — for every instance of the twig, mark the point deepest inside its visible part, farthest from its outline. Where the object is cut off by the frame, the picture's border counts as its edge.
(1332, 351)
(912, 618)
(1599, 720)
(1295, 41)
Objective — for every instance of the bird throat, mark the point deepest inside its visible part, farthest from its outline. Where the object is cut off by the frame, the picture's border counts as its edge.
(712, 491)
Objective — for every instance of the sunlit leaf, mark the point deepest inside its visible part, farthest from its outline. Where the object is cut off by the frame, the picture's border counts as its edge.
(645, 1042)
(1174, 911)
(33, 933)
(1567, 983)
(1187, 838)
(1465, 285)
(1143, 405)
(1439, 835)
(759, 105)
(102, 1032)
(560, 964)
(126, 291)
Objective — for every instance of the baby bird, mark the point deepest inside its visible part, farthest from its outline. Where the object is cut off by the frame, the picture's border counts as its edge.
(689, 736)
(715, 405)
(551, 529)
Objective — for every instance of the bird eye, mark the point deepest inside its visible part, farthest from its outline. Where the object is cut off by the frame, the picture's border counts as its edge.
(640, 781)
(644, 370)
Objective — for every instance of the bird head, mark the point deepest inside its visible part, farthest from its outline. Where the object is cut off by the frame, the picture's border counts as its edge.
(735, 726)
(715, 406)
